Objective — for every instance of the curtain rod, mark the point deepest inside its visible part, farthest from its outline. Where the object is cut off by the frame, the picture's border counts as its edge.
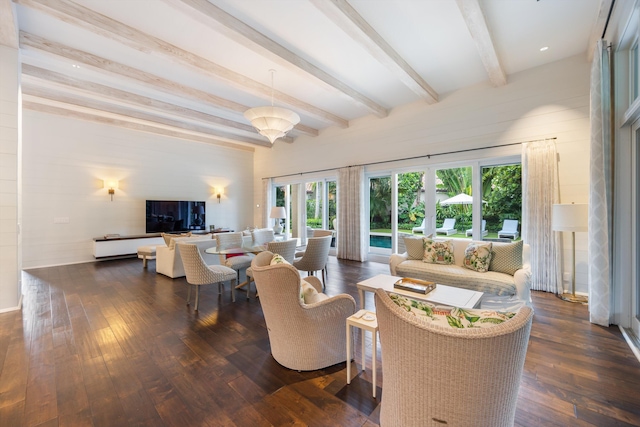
(428, 156)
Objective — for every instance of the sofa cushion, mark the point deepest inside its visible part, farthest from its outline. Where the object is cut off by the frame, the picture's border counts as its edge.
(415, 247)
(451, 317)
(438, 251)
(477, 257)
(506, 258)
(491, 282)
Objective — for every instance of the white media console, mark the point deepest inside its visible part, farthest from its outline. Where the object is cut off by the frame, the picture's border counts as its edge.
(123, 245)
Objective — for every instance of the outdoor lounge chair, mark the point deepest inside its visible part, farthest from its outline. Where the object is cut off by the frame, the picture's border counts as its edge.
(469, 232)
(509, 229)
(420, 228)
(447, 227)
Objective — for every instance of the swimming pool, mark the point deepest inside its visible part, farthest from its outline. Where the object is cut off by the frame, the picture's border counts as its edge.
(380, 241)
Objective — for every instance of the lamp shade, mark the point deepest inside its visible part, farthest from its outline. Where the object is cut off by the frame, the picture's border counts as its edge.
(570, 217)
(278, 212)
(272, 122)
(199, 210)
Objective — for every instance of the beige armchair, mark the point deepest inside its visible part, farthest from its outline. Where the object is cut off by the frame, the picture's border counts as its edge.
(435, 375)
(315, 256)
(199, 273)
(303, 337)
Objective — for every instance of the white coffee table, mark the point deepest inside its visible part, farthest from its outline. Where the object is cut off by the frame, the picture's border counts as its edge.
(442, 294)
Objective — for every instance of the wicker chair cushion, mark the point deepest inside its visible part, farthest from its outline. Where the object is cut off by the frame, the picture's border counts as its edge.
(477, 257)
(451, 317)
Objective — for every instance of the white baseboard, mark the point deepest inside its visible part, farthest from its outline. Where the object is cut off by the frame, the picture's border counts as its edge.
(632, 340)
(18, 307)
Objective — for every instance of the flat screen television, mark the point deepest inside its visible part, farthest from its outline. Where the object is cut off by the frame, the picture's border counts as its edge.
(169, 216)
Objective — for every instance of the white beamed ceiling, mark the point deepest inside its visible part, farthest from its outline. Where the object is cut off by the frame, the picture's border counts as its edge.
(328, 70)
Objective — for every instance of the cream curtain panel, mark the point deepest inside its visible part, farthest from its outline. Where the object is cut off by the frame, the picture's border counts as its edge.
(351, 214)
(540, 193)
(600, 191)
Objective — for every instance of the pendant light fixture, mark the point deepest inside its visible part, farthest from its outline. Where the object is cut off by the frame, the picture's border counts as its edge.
(272, 122)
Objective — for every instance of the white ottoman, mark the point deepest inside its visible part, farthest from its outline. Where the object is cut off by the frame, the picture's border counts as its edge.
(146, 253)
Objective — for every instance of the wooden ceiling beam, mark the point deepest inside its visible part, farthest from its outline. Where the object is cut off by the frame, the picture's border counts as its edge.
(102, 65)
(352, 23)
(240, 32)
(96, 89)
(75, 14)
(8, 25)
(126, 112)
(34, 105)
(477, 25)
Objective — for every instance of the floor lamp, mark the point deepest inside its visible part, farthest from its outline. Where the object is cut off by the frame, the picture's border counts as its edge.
(573, 218)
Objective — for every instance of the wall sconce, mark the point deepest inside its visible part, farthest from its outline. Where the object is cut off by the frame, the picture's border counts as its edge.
(111, 185)
(218, 191)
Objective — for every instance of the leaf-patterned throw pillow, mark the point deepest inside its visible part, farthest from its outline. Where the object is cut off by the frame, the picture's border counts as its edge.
(452, 317)
(477, 257)
(438, 251)
(278, 259)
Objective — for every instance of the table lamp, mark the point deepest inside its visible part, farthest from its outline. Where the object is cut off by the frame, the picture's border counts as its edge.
(573, 218)
(278, 212)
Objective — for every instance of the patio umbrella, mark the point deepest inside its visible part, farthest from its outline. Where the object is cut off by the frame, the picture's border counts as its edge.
(460, 199)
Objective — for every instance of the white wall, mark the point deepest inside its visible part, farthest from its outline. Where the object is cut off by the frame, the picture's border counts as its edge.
(549, 101)
(66, 160)
(10, 292)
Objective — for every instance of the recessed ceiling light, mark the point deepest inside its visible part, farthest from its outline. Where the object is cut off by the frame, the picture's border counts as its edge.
(75, 65)
(542, 49)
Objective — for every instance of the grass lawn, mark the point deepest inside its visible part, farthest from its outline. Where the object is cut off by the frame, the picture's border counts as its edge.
(457, 235)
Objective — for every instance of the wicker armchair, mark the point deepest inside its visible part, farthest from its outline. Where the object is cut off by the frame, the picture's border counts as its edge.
(315, 256)
(302, 337)
(198, 273)
(459, 377)
(286, 249)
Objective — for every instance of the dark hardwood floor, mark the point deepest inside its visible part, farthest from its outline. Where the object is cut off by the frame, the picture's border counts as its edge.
(111, 344)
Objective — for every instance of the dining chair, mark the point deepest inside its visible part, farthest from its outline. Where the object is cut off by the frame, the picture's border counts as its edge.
(286, 249)
(315, 256)
(198, 273)
(262, 236)
(239, 261)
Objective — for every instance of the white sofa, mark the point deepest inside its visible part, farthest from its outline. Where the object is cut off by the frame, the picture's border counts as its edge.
(502, 285)
(169, 262)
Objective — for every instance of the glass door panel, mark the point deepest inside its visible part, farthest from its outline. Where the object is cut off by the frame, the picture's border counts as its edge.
(410, 206)
(332, 210)
(314, 206)
(454, 202)
(502, 192)
(380, 215)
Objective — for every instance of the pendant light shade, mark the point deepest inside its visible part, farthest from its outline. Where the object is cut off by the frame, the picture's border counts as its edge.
(272, 122)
